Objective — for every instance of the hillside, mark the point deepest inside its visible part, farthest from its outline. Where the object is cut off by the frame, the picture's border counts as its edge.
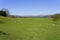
(29, 29)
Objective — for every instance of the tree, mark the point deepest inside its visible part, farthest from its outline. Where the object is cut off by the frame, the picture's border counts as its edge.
(56, 17)
(4, 12)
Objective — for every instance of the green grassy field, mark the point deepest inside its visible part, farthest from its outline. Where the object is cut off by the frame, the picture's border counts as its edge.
(29, 29)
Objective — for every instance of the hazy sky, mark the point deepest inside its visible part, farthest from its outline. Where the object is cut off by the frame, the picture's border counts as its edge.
(31, 7)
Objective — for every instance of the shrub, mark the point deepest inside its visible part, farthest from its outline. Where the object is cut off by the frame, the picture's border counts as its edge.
(56, 17)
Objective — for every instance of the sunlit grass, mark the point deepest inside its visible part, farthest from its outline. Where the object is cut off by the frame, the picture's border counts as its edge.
(30, 29)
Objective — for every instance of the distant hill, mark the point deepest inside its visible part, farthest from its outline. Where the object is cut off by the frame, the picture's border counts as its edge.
(41, 16)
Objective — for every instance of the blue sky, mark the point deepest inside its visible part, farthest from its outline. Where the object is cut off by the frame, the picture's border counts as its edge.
(31, 7)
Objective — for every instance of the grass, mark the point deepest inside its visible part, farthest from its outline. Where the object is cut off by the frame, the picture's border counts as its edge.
(29, 29)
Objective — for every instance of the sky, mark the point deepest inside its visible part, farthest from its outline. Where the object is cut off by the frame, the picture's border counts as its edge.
(31, 7)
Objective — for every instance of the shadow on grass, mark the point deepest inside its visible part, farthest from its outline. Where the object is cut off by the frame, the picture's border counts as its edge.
(1, 22)
(7, 36)
(3, 33)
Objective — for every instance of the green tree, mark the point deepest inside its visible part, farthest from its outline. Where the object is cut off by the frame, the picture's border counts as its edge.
(4, 12)
(56, 17)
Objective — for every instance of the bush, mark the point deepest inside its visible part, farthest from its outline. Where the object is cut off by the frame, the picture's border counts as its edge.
(56, 17)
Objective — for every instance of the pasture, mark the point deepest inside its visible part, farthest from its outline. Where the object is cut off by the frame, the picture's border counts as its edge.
(29, 29)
